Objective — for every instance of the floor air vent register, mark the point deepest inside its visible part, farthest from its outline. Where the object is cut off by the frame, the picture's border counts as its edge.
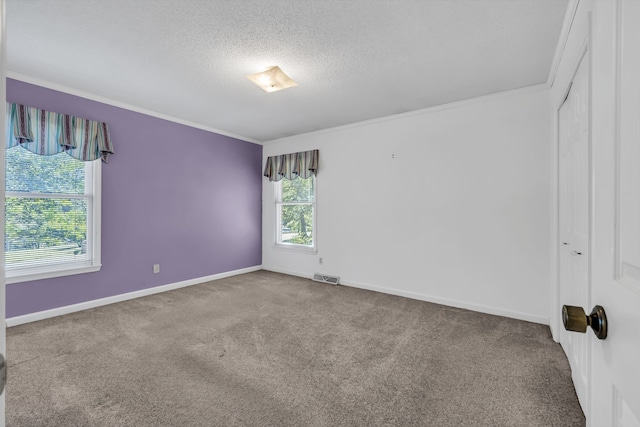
(324, 278)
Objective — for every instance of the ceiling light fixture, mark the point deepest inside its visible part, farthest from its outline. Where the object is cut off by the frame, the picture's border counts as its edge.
(272, 79)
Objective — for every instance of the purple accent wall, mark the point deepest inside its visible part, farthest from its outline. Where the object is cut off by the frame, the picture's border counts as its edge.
(181, 197)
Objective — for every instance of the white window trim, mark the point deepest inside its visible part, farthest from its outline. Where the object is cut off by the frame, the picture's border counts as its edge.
(68, 269)
(295, 247)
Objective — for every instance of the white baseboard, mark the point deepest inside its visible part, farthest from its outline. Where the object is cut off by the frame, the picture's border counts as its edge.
(59, 311)
(429, 298)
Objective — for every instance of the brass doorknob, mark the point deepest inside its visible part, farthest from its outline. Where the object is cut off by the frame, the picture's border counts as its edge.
(575, 319)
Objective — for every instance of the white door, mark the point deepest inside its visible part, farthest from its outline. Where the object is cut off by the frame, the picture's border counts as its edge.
(574, 151)
(2, 145)
(615, 388)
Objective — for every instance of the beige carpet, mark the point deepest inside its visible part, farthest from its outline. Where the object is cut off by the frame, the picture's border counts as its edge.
(265, 349)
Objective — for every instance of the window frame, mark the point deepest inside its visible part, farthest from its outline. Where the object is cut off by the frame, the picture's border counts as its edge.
(93, 181)
(277, 189)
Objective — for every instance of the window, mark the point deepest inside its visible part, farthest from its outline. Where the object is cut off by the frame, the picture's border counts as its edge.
(295, 213)
(52, 215)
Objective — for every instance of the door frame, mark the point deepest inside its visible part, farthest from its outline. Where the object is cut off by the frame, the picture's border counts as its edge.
(556, 303)
(3, 78)
(554, 315)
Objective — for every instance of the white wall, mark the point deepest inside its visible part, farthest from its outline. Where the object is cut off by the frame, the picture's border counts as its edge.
(460, 216)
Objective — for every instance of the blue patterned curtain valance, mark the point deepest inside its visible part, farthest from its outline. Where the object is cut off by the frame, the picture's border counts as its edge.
(47, 133)
(292, 166)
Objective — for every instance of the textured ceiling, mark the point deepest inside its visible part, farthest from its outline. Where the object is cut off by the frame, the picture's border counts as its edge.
(353, 59)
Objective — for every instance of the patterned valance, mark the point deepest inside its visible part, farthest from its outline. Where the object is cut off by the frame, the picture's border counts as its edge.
(291, 166)
(47, 133)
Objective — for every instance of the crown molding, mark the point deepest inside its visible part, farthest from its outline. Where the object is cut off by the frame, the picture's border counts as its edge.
(112, 102)
(437, 108)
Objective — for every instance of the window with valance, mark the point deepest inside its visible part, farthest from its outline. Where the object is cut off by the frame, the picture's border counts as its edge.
(47, 133)
(294, 178)
(52, 193)
(291, 166)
